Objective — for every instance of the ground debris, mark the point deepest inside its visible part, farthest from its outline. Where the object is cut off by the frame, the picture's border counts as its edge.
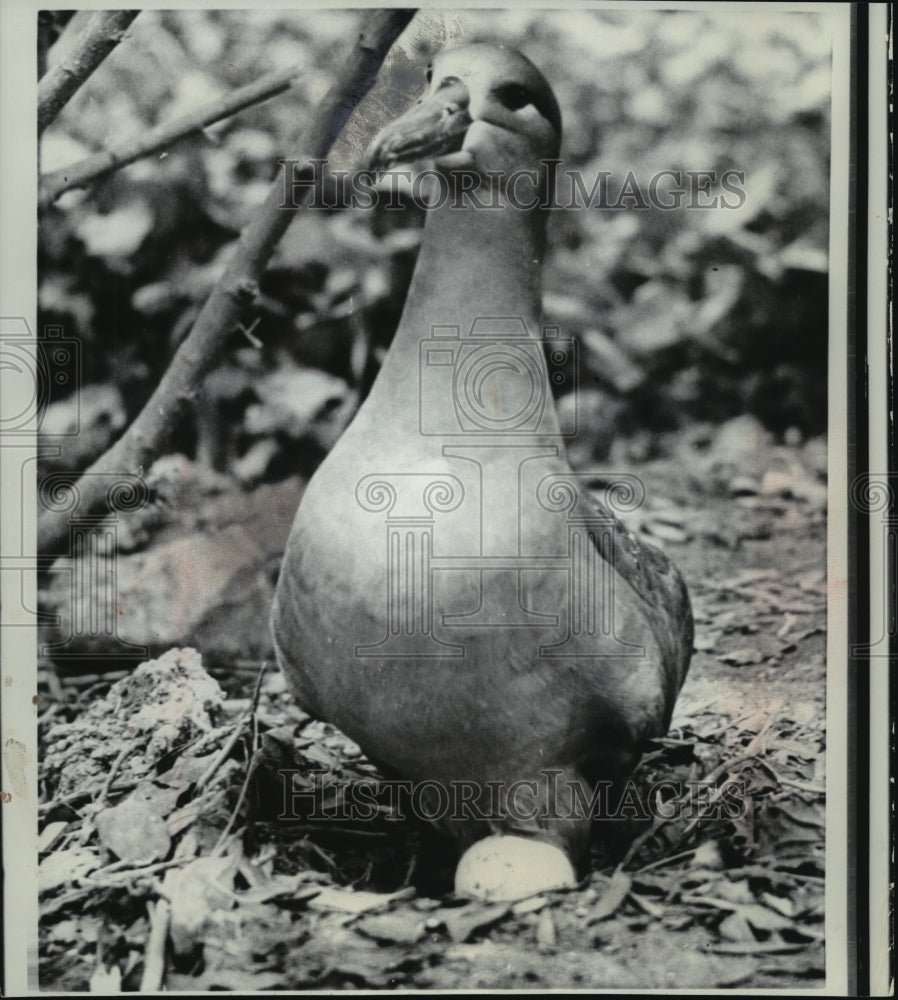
(719, 896)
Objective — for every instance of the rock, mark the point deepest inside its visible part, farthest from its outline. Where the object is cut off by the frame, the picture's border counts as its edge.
(211, 586)
(162, 704)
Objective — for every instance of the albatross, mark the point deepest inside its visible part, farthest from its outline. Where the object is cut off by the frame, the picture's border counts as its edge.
(452, 596)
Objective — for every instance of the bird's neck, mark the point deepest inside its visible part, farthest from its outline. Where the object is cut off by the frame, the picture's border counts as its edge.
(474, 263)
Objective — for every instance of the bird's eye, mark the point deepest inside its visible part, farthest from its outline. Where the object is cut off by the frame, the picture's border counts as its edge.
(513, 96)
(448, 81)
(429, 74)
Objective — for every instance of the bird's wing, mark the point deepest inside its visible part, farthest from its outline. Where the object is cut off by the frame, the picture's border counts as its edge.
(657, 582)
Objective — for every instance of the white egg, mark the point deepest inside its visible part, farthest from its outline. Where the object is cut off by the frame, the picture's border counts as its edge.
(506, 868)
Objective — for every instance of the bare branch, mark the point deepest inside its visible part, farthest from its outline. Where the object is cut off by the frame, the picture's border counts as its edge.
(148, 434)
(103, 32)
(106, 161)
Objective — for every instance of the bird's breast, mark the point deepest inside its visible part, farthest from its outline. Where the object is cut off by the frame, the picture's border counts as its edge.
(432, 599)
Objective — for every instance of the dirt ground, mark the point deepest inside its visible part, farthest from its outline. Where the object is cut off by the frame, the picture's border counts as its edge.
(233, 899)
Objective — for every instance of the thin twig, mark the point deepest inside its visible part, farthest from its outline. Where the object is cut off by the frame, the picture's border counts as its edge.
(103, 32)
(790, 782)
(154, 955)
(660, 821)
(108, 160)
(143, 441)
(224, 753)
(327, 829)
(803, 786)
(124, 753)
(89, 681)
(652, 909)
(663, 862)
(249, 772)
(231, 742)
(128, 872)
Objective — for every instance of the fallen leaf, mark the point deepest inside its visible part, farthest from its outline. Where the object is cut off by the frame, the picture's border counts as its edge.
(186, 771)
(291, 886)
(756, 948)
(63, 867)
(707, 855)
(735, 928)
(546, 936)
(118, 233)
(763, 919)
(195, 892)
(49, 835)
(106, 981)
(349, 901)
(463, 923)
(735, 892)
(742, 657)
(666, 531)
(616, 892)
(401, 928)
(232, 980)
(133, 831)
(784, 629)
(64, 932)
(532, 905)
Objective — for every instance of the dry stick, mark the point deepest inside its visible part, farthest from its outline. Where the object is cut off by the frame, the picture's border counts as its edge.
(147, 435)
(660, 821)
(103, 32)
(663, 862)
(154, 955)
(250, 769)
(231, 742)
(225, 751)
(117, 156)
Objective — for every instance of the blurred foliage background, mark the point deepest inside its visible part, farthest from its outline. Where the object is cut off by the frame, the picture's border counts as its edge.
(684, 317)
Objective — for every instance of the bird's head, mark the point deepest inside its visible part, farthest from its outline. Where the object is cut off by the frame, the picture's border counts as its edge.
(487, 108)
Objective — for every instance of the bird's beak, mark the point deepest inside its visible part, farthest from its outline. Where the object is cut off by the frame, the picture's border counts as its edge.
(437, 125)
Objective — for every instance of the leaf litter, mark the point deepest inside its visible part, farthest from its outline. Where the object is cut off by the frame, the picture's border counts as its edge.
(135, 813)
